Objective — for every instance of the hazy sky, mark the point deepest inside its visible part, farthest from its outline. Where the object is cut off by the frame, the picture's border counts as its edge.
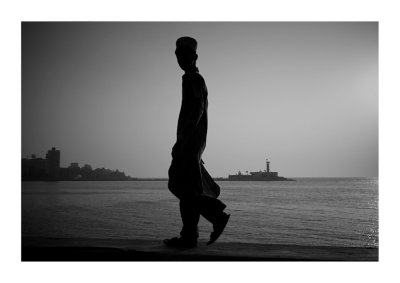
(303, 95)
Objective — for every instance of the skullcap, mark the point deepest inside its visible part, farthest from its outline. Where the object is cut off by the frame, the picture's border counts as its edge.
(187, 42)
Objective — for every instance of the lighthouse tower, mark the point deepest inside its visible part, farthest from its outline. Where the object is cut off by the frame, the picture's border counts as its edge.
(267, 165)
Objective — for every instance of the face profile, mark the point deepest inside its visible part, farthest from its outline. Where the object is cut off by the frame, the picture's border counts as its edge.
(186, 48)
(186, 58)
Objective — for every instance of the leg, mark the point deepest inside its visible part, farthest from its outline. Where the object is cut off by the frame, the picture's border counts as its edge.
(190, 218)
(213, 210)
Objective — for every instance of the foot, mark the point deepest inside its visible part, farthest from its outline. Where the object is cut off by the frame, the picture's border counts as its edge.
(218, 228)
(180, 243)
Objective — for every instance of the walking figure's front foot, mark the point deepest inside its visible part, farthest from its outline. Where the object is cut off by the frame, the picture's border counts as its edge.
(218, 228)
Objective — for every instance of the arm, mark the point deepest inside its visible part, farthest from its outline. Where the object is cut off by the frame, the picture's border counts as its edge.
(191, 112)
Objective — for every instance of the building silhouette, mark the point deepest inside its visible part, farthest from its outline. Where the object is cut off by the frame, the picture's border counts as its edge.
(265, 175)
(53, 164)
(48, 169)
(33, 168)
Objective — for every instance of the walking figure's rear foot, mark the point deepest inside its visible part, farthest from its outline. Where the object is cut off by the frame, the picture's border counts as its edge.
(219, 228)
(181, 243)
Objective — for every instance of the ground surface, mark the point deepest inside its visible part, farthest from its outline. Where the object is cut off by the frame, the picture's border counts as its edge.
(44, 249)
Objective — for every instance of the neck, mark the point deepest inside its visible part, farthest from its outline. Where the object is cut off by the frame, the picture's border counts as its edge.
(191, 69)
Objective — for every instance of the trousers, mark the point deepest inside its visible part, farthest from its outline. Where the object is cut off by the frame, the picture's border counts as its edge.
(197, 192)
(191, 209)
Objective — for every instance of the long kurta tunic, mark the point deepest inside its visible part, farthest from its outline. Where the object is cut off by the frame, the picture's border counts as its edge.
(187, 175)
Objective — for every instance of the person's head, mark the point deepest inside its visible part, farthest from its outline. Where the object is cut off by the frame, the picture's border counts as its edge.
(186, 52)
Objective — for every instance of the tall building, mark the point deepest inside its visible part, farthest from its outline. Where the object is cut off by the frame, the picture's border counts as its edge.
(53, 164)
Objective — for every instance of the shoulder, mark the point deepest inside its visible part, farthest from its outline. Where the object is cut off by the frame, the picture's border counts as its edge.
(197, 80)
(193, 76)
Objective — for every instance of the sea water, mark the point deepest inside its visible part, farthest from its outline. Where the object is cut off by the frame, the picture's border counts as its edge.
(308, 211)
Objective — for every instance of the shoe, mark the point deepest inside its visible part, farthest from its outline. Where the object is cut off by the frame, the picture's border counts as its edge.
(180, 243)
(219, 228)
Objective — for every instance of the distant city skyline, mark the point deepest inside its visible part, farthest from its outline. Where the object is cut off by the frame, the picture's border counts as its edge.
(304, 95)
(35, 156)
(73, 163)
(37, 168)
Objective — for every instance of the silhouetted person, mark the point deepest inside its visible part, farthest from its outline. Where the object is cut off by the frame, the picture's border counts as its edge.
(188, 179)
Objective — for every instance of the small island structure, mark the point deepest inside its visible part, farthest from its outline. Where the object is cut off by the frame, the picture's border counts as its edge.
(265, 175)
